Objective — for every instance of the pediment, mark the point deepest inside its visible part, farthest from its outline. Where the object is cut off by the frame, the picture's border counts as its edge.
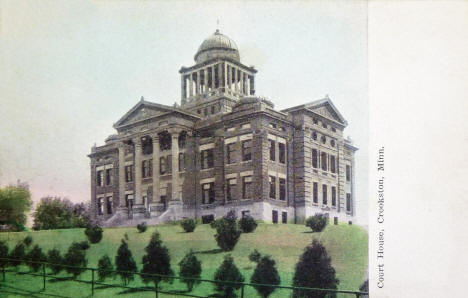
(328, 110)
(142, 111)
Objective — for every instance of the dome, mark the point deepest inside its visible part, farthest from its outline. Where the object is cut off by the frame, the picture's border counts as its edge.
(217, 45)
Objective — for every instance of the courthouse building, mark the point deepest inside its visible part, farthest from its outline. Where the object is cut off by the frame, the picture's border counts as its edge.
(223, 148)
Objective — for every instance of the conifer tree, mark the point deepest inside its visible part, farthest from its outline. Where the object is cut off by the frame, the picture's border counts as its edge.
(55, 259)
(17, 254)
(124, 262)
(35, 256)
(265, 273)
(228, 272)
(227, 231)
(190, 267)
(105, 268)
(3, 254)
(75, 259)
(314, 270)
(156, 261)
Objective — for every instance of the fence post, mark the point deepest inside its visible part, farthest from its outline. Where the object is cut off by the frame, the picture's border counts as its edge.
(157, 293)
(43, 277)
(92, 281)
(242, 291)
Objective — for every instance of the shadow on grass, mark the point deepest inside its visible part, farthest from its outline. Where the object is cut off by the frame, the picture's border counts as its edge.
(26, 293)
(57, 279)
(210, 251)
(136, 290)
(308, 232)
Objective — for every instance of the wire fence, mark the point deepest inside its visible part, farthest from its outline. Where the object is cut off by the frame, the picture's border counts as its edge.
(239, 289)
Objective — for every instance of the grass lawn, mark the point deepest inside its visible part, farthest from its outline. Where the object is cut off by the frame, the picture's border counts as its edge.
(347, 246)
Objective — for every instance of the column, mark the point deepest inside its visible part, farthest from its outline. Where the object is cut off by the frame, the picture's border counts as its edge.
(138, 199)
(220, 74)
(236, 78)
(247, 84)
(205, 81)
(175, 164)
(225, 76)
(252, 85)
(182, 87)
(156, 194)
(241, 81)
(229, 76)
(191, 84)
(198, 83)
(121, 147)
(212, 77)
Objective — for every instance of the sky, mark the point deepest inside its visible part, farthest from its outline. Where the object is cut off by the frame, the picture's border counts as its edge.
(70, 69)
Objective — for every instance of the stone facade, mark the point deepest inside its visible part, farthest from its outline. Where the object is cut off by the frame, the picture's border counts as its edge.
(223, 149)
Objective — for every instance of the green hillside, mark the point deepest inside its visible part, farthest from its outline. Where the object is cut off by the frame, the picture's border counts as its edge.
(347, 246)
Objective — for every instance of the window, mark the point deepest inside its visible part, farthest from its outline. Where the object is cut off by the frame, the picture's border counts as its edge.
(324, 161)
(272, 125)
(314, 136)
(109, 177)
(247, 150)
(348, 173)
(348, 202)
(272, 187)
(323, 139)
(324, 194)
(169, 163)
(165, 141)
(212, 109)
(282, 189)
(272, 150)
(181, 162)
(230, 185)
(206, 111)
(162, 165)
(247, 187)
(314, 158)
(230, 148)
(129, 173)
(315, 192)
(315, 121)
(100, 207)
(274, 216)
(282, 152)
(333, 196)
(199, 112)
(207, 159)
(324, 125)
(146, 168)
(128, 201)
(182, 141)
(163, 199)
(100, 178)
(332, 143)
(333, 129)
(109, 205)
(208, 194)
(332, 164)
(144, 199)
(284, 217)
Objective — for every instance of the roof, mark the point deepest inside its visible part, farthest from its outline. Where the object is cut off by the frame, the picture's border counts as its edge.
(218, 41)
